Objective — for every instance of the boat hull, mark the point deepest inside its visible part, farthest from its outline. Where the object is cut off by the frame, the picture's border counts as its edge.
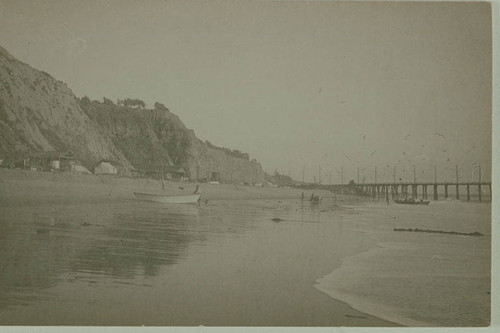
(169, 199)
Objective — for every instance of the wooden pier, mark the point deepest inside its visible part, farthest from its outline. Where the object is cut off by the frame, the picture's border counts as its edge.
(405, 190)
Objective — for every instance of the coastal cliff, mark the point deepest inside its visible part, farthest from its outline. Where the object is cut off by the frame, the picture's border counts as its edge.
(41, 115)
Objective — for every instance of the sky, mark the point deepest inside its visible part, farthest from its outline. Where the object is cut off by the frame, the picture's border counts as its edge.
(300, 86)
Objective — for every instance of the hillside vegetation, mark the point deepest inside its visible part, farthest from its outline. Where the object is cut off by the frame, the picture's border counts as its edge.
(41, 115)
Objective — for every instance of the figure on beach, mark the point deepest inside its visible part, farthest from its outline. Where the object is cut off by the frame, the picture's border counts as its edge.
(197, 190)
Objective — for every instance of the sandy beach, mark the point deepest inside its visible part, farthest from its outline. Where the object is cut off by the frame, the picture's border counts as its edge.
(22, 187)
(267, 296)
(227, 263)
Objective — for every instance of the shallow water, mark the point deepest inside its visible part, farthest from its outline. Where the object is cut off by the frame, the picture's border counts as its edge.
(420, 279)
(225, 263)
(134, 263)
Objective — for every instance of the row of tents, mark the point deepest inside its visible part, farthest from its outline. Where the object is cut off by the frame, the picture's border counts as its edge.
(65, 162)
(59, 164)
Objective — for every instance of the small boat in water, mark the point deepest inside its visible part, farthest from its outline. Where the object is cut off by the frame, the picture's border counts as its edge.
(411, 201)
(170, 199)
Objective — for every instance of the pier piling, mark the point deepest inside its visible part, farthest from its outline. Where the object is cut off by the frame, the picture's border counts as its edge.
(401, 190)
(479, 186)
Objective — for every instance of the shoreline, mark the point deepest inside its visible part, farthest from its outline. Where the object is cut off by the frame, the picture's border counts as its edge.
(24, 187)
(360, 305)
(19, 188)
(372, 266)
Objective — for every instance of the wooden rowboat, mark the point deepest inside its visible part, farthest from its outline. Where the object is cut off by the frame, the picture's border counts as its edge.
(170, 199)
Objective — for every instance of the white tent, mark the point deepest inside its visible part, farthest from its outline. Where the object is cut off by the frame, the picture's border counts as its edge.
(105, 168)
(80, 169)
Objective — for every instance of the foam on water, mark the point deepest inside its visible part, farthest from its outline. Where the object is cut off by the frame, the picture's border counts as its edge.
(419, 279)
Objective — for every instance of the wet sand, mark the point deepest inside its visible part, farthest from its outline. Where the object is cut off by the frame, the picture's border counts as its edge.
(85, 241)
(417, 278)
(98, 258)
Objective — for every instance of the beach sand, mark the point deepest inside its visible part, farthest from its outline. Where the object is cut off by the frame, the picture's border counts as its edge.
(290, 271)
(22, 187)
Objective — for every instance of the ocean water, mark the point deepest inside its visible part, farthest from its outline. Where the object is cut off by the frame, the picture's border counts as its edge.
(415, 278)
(228, 263)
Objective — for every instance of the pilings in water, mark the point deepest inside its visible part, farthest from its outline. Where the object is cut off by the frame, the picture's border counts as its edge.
(414, 191)
(402, 190)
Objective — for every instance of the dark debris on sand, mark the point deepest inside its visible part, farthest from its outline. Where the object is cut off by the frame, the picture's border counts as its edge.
(475, 233)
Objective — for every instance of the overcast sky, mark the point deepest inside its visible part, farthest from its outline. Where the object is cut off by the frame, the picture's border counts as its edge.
(319, 84)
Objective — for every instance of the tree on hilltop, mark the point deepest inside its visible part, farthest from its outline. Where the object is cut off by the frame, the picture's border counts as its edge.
(107, 101)
(135, 102)
(161, 107)
(85, 100)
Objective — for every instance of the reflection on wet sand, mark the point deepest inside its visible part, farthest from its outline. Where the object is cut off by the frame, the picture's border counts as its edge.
(41, 247)
(134, 263)
(46, 245)
(137, 243)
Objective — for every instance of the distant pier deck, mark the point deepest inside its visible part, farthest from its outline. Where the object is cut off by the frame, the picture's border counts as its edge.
(414, 190)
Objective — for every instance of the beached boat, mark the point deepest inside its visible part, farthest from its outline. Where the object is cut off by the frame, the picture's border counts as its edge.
(170, 199)
(411, 202)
